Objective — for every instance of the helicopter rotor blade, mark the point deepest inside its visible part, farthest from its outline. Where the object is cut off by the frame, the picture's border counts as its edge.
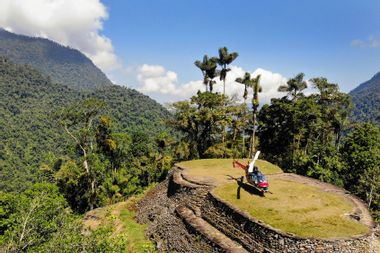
(252, 163)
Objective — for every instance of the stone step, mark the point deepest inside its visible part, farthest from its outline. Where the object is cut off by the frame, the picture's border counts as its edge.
(208, 231)
(212, 217)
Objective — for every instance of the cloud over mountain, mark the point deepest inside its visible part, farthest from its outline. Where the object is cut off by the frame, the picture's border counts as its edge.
(79, 24)
(73, 23)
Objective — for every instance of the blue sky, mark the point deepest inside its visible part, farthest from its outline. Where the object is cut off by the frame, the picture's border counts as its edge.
(286, 37)
(156, 42)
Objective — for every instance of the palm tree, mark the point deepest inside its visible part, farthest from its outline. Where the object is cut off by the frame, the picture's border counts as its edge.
(244, 80)
(253, 83)
(294, 87)
(202, 65)
(208, 68)
(224, 60)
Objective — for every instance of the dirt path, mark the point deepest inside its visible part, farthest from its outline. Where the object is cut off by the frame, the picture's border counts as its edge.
(360, 213)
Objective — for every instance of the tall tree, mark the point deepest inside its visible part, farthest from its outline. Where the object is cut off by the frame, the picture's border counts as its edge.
(294, 87)
(225, 58)
(361, 153)
(37, 214)
(39, 220)
(78, 123)
(254, 84)
(302, 133)
(256, 87)
(208, 67)
(246, 79)
(201, 122)
(336, 106)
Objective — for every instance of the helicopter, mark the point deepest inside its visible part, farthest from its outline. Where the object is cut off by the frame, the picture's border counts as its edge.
(252, 174)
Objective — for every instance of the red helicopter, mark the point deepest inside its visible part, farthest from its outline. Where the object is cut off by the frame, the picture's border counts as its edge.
(253, 175)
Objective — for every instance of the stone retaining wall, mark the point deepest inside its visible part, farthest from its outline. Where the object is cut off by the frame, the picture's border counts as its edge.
(158, 211)
(256, 236)
(173, 234)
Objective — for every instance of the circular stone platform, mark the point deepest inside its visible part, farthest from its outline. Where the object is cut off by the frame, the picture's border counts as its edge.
(295, 204)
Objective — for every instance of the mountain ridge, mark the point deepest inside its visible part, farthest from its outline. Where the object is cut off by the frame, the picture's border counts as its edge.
(63, 64)
(367, 84)
(31, 135)
(366, 100)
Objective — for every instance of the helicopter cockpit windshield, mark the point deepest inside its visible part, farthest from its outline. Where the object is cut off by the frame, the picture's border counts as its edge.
(261, 178)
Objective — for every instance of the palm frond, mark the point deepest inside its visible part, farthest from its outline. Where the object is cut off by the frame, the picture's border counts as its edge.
(198, 64)
(239, 80)
(283, 88)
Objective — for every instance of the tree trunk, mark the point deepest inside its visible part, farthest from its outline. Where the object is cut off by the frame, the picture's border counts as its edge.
(224, 86)
(34, 205)
(85, 165)
(252, 147)
(370, 197)
(243, 146)
(306, 146)
(337, 140)
(234, 135)
(92, 198)
(234, 142)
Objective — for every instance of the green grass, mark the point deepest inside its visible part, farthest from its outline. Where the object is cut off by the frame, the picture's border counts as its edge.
(121, 218)
(292, 207)
(220, 170)
(135, 233)
(303, 210)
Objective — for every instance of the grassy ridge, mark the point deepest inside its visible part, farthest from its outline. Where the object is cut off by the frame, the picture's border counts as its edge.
(120, 218)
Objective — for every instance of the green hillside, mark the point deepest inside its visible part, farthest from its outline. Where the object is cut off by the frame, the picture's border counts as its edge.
(28, 127)
(121, 218)
(366, 100)
(63, 64)
(28, 100)
(41, 171)
(132, 110)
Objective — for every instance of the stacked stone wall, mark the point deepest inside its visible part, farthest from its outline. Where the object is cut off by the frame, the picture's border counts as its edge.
(172, 233)
(256, 236)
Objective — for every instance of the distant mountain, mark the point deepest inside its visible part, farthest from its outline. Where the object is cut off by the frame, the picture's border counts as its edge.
(63, 64)
(29, 133)
(38, 77)
(366, 100)
(73, 70)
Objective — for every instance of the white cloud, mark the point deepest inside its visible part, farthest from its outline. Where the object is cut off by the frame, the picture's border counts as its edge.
(155, 78)
(74, 23)
(79, 24)
(371, 42)
(270, 82)
(151, 70)
(156, 81)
